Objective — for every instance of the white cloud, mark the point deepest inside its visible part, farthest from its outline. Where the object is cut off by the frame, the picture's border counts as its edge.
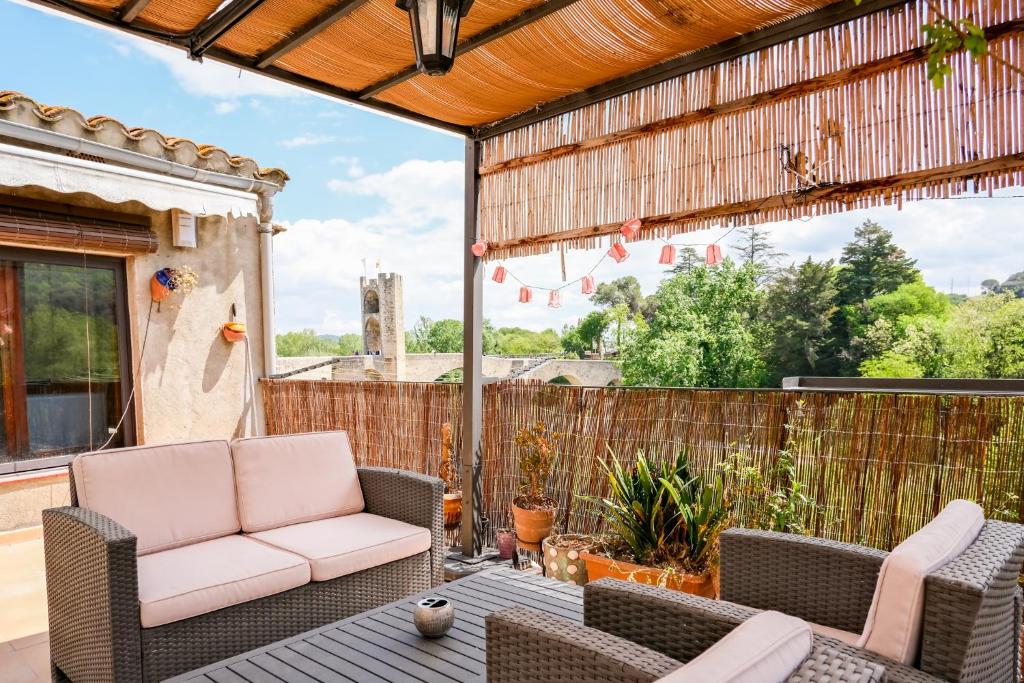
(210, 78)
(354, 167)
(225, 106)
(417, 232)
(307, 140)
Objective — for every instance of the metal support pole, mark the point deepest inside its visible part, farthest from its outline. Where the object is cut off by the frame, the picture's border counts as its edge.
(472, 359)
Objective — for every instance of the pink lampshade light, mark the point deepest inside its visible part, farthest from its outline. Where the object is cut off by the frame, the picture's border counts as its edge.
(499, 274)
(554, 299)
(588, 284)
(668, 255)
(479, 248)
(618, 252)
(630, 229)
(714, 255)
(525, 295)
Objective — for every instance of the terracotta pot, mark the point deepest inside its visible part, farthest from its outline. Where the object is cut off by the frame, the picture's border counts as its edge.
(452, 509)
(232, 335)
(506, 541)
(563, 557)
(533, 526)
(600, 567)
(157, 290)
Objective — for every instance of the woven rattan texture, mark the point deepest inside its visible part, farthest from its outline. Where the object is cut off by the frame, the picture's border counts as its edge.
(93, 591)
(517, 637)
(92, 595)
(822, 581)
(682, 626)
(412, 498)
(972, 625)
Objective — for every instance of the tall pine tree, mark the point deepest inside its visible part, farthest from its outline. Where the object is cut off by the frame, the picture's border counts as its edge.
(800, 305)
(753, 246)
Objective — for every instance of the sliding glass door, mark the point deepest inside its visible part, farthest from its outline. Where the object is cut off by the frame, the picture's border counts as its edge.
(64, 357)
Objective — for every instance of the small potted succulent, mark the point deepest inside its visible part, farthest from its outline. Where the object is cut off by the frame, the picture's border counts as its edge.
(448, 473)
(533, 510)
(664, 526)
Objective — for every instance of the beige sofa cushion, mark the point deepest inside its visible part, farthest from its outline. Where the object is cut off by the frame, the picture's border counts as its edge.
(767, 648)
(168, 496)
(893, 627)
(195, 579)
(296, 478)
(344, 545)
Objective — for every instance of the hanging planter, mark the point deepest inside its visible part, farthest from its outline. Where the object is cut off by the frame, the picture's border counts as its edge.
(159, 285)
(166, 281)
(234, 331)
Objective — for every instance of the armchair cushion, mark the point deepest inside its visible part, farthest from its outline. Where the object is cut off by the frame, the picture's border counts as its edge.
(893, 627)
(767, 648)
(195, 579)
(348, 544)
(295, 478)
(168, 496)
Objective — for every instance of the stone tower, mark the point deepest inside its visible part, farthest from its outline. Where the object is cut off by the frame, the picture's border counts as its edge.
(383, 323)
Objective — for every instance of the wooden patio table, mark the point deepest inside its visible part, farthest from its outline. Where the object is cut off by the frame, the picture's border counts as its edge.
(384, 645)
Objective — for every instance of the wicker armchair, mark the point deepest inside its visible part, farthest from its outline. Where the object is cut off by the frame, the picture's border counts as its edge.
(972, 610)
(92, 591)
(637, 634)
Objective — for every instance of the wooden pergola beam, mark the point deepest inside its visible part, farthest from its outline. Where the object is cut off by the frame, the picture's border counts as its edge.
(219, 23)
(311, 28)
(786, 92)
(129, 11)
(479, 40)
(797, 27)
(838, 192)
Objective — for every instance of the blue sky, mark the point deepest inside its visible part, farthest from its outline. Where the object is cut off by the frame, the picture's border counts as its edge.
(367, 186)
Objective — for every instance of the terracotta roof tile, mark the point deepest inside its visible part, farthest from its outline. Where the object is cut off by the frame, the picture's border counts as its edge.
(20, 108)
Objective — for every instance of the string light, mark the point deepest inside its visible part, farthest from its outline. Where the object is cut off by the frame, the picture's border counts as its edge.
(479, 248)
(499, 274)
(668, 255)
(630, 229)
(618, 252)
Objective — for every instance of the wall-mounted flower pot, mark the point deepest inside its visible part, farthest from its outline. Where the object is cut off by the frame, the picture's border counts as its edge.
(452, 509)
(533, 525)
(563, 557)
(158, 288)
(233, 332)
(600, 567)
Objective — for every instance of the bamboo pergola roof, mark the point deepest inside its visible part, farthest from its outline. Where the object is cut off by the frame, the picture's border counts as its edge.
(684, 114)
(514, 55)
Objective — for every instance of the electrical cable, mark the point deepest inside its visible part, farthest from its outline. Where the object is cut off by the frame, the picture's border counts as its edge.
(135, 381)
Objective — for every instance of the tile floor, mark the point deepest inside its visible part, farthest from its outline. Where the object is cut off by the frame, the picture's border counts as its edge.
(24, 648)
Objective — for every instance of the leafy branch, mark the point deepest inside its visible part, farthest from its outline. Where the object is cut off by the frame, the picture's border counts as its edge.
(946, 37)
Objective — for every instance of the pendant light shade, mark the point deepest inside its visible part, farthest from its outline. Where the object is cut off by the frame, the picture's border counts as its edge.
(714, 255)
(668, 255)
(499, 274)
(435, 31)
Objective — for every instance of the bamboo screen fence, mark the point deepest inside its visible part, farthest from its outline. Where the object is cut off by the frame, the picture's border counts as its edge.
(844, 118)
(877, 465)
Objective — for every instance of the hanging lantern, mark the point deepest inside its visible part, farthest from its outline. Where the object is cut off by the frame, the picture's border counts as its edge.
(479, 248)
(499, 274)
(554, 299)
(588, 284)
(630, 229)
(525, 295)
(714, 255)
(668, 255)
(435, 31)
(618, 252)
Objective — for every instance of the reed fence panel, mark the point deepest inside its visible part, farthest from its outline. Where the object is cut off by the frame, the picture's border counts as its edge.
(877, 465)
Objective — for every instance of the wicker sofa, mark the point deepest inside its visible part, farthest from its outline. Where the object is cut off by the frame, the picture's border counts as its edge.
(172, 557)
(634, 633)
(971, 627)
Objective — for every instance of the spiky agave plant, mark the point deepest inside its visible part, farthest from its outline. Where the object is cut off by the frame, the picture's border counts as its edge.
(663, 514)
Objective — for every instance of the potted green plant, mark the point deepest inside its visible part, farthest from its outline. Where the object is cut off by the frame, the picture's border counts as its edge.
(448, 474)
(664, 525)
(563, 557)
(533, 510)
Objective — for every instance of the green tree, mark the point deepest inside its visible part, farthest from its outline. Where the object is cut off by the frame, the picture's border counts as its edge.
(306, 343)
(871, 265)
(624, 291)
(1014, 285)
(517, 341)
(754, 247)
(416, 339)
(799, 308)
(701, 332)
(586, 335)
(891, 364)
(349, 344)
(445, 336)
(686, 260)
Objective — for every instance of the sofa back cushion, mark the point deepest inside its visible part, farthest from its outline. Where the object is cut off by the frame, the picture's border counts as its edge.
(766, 648)
(296, 478)
(893, 627)
(168, 496)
